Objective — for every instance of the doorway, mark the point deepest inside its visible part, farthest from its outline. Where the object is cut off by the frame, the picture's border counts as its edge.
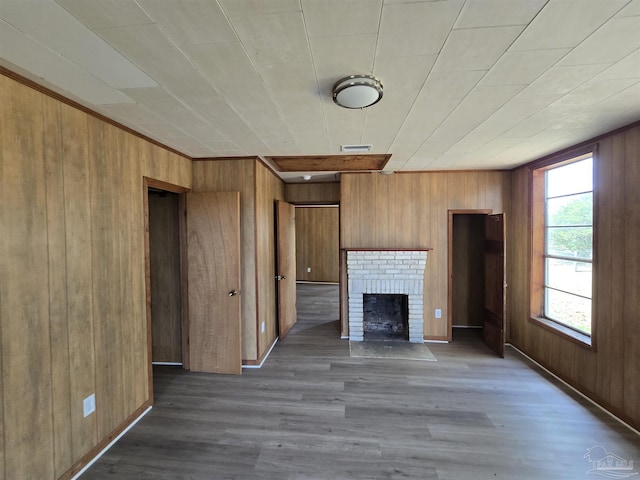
(165, 277)
(476, 278)
(467, 288)
(164, 227)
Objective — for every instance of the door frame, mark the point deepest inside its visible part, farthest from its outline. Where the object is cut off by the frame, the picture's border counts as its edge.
(451, 213)
(148, 182)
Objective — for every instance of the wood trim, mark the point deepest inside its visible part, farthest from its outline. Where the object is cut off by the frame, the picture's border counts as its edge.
(565, 332)
(147, 286)
(50, 93)
(536, 234)
(436, 338)
(256, 275)
(451, 213)
(470, 170)
(590, 395)
(169, 187)
(184, 284)
(220, 159)
(102, 444)
(387, 249)
(262, 357)
(329, 163)
(575, 150)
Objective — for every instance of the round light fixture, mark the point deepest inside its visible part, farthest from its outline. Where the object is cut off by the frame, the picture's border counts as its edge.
(357, 91)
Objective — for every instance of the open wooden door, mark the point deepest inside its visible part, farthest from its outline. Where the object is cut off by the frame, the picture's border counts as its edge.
(494, 297)
(286, 266)
(213, 248)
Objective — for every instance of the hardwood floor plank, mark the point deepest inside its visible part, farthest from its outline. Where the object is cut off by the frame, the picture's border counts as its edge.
(313, 413)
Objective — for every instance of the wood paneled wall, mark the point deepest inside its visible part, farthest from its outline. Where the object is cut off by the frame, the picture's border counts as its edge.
(410, 210)
(312, 193)
(317, 244)
(258, 189)
(73, 309)
(166, 288)
(610, 374)
(269, 188)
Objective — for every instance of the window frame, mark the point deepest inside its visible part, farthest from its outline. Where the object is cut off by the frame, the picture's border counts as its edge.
(537, 229)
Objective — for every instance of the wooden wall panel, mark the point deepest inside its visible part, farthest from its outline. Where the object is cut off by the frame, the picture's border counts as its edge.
(79, 271)
(60, 384)
(238, 176)
(317, 247)
(629, 323)
(269, 188)
(312, 193)
(164, 248)
(74, 318)
(410, 210)
(24, 287)
(610, 373)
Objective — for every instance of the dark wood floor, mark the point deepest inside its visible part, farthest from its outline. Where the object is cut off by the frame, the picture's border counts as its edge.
(313, 413)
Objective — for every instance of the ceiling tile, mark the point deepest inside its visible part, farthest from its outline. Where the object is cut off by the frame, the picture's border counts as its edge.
(564, 79)
(522, 68)
(106, 13)
(190, 21)
(475, 48)
(442, 92)
(34, 57)
(274, 38)
(631, 10)
(416, 28)
(341, 17)
(403, 73)
(338, 57)
(238, 68)
(471, 112)
(566, 23)
(494, 13)
(158, 57)
(628, 67)
(234, 8)
(595, 91)
(51, 25)
(611, 42)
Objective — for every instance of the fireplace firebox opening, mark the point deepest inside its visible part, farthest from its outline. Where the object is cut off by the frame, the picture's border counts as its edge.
(386, 317)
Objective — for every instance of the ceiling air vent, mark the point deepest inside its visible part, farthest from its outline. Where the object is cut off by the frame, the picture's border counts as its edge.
(355, 148)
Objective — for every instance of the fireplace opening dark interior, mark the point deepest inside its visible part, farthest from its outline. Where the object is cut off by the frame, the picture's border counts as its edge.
(386, 316)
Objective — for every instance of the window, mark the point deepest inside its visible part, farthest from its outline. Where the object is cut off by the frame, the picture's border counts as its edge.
(562, 262)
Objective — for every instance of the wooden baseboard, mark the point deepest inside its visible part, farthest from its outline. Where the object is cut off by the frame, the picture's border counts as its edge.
(258, 363)
(102, 444)
(606, 406)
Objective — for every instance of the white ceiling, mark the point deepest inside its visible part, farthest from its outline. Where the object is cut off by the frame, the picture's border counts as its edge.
(472, 84)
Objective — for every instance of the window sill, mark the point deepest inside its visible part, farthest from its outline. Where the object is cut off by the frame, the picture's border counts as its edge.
(578, 338)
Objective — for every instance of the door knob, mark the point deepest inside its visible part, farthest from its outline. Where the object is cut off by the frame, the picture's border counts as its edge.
(233, 293)
(281, 277)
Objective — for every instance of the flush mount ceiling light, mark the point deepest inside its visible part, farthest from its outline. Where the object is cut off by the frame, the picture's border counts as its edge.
(357, 91)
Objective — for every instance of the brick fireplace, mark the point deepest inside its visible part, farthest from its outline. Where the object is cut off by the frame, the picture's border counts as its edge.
(386, 272)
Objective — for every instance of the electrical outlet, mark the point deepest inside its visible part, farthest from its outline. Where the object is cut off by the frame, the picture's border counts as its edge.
(438, 313)
(308, 269)
(89, 404)
(262, 327)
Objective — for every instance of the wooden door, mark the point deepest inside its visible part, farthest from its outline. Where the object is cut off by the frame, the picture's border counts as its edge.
(213, 266)
(286, 266)
(494, 296)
